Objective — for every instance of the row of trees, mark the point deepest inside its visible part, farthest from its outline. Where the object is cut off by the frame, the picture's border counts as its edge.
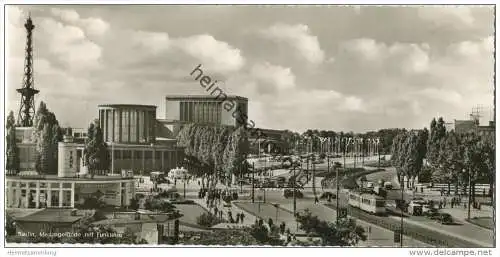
(96, 154)
(408, 152)
(12, 150)
(46, 135)
(453, 158)
(214, 151)
(296, 141)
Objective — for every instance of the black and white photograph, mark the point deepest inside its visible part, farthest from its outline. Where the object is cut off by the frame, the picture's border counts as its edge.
(250, 125)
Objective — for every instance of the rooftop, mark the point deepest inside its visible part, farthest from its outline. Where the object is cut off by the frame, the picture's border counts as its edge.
(55, 177)
(204, 97)
(55, 215)
(126, 106)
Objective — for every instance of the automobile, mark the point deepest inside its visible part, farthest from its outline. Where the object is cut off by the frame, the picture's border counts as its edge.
(369, 184)
(281, 182)
(289, 193)
(445, 219)
(432, 214)
(328, 195)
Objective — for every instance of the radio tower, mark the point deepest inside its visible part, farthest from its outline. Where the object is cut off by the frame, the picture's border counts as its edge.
(28, 91)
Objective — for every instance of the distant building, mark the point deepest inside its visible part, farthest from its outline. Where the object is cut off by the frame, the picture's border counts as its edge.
(472, 126)
(136, 141)
(205, 109)
(49, 221)
(465, 126)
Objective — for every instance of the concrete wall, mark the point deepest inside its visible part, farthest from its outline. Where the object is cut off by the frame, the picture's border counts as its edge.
(67, 160)
(172, 110)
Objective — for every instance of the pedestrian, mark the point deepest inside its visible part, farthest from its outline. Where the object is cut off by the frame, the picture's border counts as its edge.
(261, 222)
(270, 223)
(316, 200)
(220, 214)
(237, 218)
(230, 216)
(216, 210)
(242, 216)
(444, 202)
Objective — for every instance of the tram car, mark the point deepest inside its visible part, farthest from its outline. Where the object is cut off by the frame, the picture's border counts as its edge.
(367, 202)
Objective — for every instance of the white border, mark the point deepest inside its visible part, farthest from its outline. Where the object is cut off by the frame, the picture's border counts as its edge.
(139, 250)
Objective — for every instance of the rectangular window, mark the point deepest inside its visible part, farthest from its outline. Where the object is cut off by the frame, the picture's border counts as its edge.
(66, 185)
(158, 155)
(138, 154)
(380, 204)
(127, 154)
(125, 125)
(54, 185)
(148, 155)
(141, 127)
(117, 155)
(117, 120)
(133, 126)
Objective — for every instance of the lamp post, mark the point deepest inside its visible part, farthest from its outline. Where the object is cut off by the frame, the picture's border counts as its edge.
(184, 178)
(277, 211)
(336, 167)
(402, 185)
(253, 182)
(294, 195)
(470, 195)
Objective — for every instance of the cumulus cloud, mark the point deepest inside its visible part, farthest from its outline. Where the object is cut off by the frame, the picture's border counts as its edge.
(447, 15)
(93, 26)
(275, 76)
(218, 55)
(70, 45)
(152, 41)
(299, 37)
(410, 58)
(375, 76)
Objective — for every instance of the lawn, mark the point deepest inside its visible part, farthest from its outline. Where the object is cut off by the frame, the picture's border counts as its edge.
(485, 222)
(190, 212)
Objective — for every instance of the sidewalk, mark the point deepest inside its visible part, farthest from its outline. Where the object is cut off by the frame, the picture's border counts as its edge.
(247, 221)
(376, 236)
(449, 233)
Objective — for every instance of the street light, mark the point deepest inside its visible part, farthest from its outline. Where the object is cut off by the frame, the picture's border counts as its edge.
(277, 205)
(253, 182)
(336, 166)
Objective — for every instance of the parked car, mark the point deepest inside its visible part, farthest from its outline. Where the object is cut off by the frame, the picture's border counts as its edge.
(327, 195)
(432, 214)
(445, 219)
(289, 193)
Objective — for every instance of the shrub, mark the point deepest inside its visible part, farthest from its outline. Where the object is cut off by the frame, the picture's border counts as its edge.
(207, 220)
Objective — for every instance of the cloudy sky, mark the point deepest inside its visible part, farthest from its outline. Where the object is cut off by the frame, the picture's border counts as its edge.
(338, 68)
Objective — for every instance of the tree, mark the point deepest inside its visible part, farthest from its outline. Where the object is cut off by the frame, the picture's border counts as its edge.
(450, 161)
(437, 134)
(477, 159)
(47, 134)
(343, 233)
(265, 236)
(96, 151)
(408, 152)
(12, 161)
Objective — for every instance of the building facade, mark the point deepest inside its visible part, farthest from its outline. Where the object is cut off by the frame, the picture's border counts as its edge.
(128, 124)
(52, 191)
(205, 109)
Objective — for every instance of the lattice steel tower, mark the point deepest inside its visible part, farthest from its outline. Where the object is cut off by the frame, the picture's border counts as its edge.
(28, 91)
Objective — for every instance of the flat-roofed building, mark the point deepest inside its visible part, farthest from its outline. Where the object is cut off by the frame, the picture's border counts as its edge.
(221, 109)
